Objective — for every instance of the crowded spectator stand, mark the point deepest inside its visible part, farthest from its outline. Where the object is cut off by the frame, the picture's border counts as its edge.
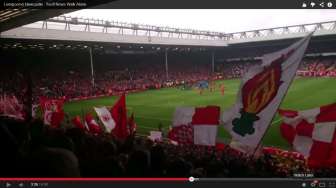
(36, 150)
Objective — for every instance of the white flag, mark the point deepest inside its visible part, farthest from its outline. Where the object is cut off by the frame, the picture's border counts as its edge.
(11, 107)
(47, 117)
(155, 135)
(105, 117)
(261, 91)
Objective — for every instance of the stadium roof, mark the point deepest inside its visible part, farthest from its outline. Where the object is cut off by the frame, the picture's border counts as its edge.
(318, 45)
(213, 20)
(45, 35)
(12, 18)
(106, 31)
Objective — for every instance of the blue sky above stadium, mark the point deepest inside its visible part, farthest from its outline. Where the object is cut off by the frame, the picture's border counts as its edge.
(221, 20)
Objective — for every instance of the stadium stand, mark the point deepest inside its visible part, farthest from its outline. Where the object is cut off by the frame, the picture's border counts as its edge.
(74, 83)
(318, 67)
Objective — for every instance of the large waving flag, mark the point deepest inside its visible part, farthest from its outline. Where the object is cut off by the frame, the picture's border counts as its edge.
(261, 92)
(312, 133)
(195, 125)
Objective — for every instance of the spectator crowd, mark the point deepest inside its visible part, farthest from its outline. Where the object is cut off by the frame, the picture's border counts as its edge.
(318, 68)
(36, 150)
(76, 84)
(310, 67)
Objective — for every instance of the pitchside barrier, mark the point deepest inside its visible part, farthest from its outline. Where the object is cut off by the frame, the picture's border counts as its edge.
(106, 95)
(316, 73)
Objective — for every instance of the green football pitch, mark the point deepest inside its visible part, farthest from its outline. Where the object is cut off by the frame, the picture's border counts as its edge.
(153, 107)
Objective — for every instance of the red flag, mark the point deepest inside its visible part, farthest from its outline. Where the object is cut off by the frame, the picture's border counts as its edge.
(78, 123)
(92, 124)
(220, 146)
(57, 118)
(119, 114)
(131, 124)
(312, 133)
(171, 134)
(206, 115)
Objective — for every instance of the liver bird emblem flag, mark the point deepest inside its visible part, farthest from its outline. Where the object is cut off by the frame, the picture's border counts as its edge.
(261, 91)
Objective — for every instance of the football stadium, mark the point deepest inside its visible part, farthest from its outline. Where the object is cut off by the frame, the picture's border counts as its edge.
(118, 99)
(156, 107)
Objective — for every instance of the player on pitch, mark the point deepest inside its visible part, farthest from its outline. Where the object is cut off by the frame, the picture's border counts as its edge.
(222, 89)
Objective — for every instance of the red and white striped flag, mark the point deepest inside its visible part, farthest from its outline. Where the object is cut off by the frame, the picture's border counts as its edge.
(195, 125)
(312, 133)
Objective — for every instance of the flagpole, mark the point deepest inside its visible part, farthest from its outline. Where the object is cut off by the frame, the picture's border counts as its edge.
(91, 63)
(83, 118)
(166, 63)
(290, 83)
(213, 62)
